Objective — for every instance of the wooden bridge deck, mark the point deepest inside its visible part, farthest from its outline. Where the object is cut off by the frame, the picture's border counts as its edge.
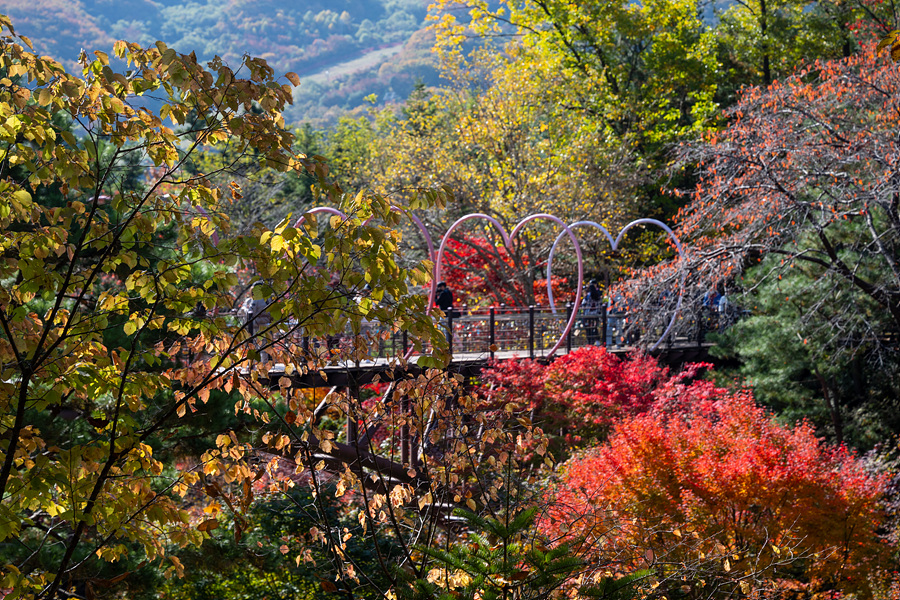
(469, 364)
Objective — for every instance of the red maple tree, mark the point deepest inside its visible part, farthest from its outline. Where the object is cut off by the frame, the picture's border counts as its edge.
(577, 397)
(717, 497)
(806, 169)
(482, 273)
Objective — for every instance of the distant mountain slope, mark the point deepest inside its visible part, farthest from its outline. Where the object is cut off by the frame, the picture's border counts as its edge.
(58, 28)
(389, 73)
(306, 37)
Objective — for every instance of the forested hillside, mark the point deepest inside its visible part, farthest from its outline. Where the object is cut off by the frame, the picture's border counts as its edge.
(211, 390)
(305, 37)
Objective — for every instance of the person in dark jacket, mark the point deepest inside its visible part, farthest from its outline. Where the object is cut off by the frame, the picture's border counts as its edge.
(444, 299)
(592, 300)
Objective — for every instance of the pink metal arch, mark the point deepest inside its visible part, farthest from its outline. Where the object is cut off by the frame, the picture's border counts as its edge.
(507, 240)
(614, 244)
(428, 241)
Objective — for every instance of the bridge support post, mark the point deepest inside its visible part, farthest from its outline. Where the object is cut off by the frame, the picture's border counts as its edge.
(404, 432)
(701, 324)
(352, 425)
(491, 333)
(531, 331)
(450, 330)
(604, 323)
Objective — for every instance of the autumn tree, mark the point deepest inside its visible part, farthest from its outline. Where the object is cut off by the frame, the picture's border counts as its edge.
(116, 330)
(805, 175)
(501, 148)
(716, 499)
(641, 75)
(103, 347)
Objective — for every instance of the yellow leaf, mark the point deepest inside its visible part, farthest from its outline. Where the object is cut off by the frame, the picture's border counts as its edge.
(45, 97)
(887, 40)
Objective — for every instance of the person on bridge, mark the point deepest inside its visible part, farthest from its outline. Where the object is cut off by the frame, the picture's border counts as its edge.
(592, 304)
(444, 301)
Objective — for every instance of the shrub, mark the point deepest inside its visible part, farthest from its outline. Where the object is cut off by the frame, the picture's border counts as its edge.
(577, 397)
(718, 498)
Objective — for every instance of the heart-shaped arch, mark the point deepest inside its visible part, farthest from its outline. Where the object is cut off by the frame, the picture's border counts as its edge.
(614, 244)
(507, 240)
(428, 241)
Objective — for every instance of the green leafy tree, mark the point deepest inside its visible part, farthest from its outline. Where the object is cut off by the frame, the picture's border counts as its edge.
(75, 497)
(565, 108)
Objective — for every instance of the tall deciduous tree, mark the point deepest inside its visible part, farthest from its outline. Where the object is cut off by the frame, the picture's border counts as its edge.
(764, 40)
(503, 147)
(806, 171)
(644, 73)
(103, 286)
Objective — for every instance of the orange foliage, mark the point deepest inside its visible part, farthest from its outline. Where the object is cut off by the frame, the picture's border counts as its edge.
(712, 493)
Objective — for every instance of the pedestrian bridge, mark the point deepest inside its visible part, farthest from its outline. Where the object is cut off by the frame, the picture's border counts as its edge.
(479, 336)
(476, 337)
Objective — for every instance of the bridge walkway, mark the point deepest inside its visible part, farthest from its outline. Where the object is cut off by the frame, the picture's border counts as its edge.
(479, 337)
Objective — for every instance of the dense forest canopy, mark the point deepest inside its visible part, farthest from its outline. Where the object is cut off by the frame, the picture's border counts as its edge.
(167, 300)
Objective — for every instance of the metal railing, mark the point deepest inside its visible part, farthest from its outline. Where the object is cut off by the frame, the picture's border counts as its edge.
(531, 332)
(527, 332)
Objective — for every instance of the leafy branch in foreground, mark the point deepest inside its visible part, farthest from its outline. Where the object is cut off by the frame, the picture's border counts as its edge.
(110, 248)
